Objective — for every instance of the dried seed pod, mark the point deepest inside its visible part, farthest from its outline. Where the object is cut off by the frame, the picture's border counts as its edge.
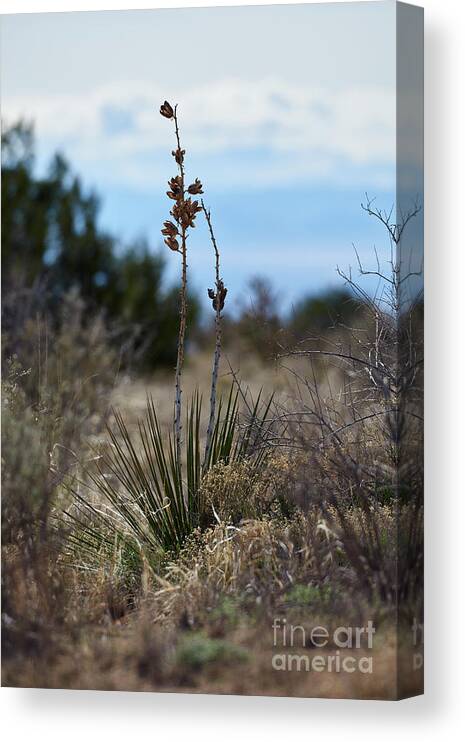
(193, 207)
(178, 155)
(172, 243)
(218, 298)
(176, 212)
(185, 212)
(169, 229)
(175, 185)
(166, 110)
(222, 295)
(195, 187)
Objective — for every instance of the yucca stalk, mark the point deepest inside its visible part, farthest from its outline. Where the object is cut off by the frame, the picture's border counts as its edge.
(184, 213)
(182, 310)
(218, 298)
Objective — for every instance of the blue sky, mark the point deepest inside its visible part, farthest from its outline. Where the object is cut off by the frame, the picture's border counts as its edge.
(287, 113)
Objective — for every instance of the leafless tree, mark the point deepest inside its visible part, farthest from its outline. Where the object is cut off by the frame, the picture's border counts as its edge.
(358, 412)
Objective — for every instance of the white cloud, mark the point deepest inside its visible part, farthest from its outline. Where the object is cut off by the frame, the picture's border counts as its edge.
(302, 133)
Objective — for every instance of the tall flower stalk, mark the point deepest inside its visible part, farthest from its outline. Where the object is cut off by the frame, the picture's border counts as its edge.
(218, 298)
(176, 232)
(153, 501)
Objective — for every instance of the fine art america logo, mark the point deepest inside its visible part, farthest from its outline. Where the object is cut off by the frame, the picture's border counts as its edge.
(287, 639)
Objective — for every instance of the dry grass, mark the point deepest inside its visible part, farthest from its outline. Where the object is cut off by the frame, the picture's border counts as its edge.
(204, 624)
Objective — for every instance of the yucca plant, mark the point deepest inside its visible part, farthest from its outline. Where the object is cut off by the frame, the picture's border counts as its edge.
(151, 499)
(151, 483)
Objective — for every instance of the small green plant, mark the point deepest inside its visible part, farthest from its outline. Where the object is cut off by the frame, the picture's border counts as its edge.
(303, 595)
(196, 651)
(226, 611)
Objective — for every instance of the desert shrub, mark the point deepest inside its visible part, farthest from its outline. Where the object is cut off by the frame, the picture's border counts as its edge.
(232, 492)
(30, 589)
(62, 374)
(236, 491)
(55, 395)
(25, 461)
(374, 539)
